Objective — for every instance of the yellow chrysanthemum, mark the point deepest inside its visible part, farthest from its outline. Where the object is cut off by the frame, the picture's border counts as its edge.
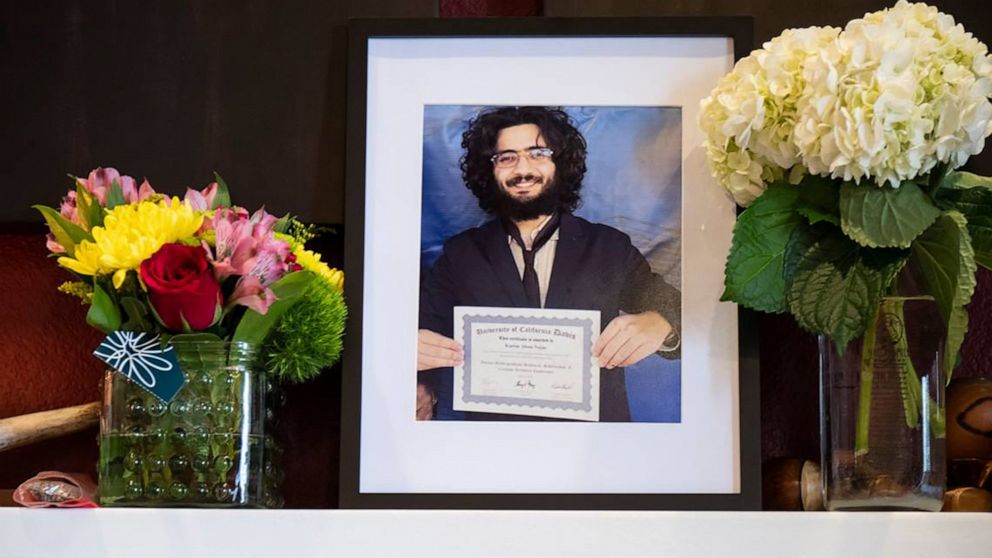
(130, 235)
(310, 261)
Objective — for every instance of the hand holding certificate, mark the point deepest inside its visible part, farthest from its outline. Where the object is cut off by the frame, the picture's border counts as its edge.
(527, 361)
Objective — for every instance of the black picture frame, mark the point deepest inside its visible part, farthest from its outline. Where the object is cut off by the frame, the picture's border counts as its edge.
(739, 29)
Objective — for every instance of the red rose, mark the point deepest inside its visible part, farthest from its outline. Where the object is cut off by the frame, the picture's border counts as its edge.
(181, 286)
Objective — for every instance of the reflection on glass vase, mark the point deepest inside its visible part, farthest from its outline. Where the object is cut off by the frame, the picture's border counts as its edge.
(209, 447)
(882, 427)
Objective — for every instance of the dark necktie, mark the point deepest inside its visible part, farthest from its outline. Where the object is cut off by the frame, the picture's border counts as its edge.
(532, 287)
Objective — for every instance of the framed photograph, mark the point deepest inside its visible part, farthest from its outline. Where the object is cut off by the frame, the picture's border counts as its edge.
(535, 252)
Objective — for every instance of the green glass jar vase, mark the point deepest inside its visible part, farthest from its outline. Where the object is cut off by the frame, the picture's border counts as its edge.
(207, 448)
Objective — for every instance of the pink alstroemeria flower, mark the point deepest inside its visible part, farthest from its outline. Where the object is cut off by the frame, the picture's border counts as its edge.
(264, 222)
(53, 245)
(246, 246)
(271, 260)
(135, 195)
(202, 200)
(250, 292)
(68, 207)
(99, 181)
(102, 179)
(234, 245)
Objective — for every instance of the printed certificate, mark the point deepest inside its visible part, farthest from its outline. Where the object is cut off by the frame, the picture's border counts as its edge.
(528, 361)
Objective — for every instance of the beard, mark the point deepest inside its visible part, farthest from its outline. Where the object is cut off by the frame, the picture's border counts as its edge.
(544, 203)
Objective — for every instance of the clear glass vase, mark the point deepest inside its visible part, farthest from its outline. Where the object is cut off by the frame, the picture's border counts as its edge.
(882, 426)
(207, 447)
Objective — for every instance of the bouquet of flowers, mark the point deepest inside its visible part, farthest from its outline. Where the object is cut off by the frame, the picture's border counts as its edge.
(843, 145)
(147, 262)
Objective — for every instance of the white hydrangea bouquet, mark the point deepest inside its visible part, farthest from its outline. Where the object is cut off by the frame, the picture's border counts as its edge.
(842, 146)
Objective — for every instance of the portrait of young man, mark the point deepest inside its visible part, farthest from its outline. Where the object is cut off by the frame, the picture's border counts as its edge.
(518, 230)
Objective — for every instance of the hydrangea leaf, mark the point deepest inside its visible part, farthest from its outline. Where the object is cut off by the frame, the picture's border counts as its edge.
(802, 239)
(818, 199)
(971, 195)
(946, 261)
(755, 266)
(965, 180)
(885, 217)
(837, 285)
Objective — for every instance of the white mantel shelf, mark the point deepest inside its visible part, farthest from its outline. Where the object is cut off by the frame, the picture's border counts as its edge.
(151, 533)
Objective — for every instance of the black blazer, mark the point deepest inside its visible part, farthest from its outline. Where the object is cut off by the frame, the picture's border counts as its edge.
(596, 267)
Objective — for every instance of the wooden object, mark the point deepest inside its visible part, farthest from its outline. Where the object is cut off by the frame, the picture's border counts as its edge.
(969, 419)
(810, 487)
(967, 500)
(35, 427)
(790, 484)
(780, 484)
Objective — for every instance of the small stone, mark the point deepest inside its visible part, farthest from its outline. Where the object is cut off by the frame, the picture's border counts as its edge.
(178, 491)
(156, 408)
(132, 490)
(154, 491)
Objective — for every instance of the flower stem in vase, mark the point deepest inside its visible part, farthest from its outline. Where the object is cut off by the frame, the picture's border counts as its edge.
(909, 381)
(864, 392)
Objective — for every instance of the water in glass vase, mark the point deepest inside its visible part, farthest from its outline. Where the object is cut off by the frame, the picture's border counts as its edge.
(149, 469)
(882, 412)
(207, 447)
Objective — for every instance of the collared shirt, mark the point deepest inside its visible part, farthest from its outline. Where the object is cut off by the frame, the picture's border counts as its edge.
(544, 260)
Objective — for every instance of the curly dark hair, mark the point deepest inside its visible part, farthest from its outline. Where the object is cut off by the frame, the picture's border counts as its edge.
(479, 143)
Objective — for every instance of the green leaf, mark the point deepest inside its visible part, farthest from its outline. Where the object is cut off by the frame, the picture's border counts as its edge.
(966, 180)
(115, 196)
(223, 197)
(802, 239)
(946, 262)
(137, 315)
(894, 318)
(195, 337)
(282, 225)
(885, 217)
(981, 242)
(103, 313)
(837, 286)
(971, 195)
(88, 207)
(185, 324)
(819, 199)
(938, 419)
(255, 327)
(755, 266)
(66, 233)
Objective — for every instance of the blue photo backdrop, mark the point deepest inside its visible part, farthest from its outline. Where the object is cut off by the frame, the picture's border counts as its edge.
(633, 184)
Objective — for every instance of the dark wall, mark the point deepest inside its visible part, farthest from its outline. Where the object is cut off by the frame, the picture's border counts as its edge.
(175, 89)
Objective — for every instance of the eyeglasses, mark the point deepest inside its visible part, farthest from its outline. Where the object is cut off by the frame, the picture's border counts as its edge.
(505, 159)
